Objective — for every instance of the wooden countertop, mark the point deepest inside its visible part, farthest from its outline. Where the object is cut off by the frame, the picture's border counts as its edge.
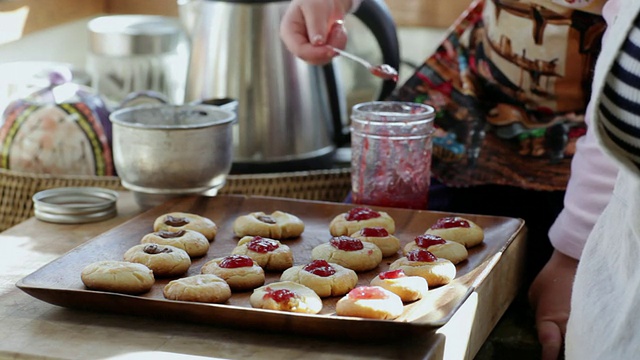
(33, 329)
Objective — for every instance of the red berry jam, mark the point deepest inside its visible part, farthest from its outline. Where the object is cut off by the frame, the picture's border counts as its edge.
(236, 261)
(346, 243)
(279, 295)
(367, 292)
(450, 222)
(320, 268)
(392, 274)
(176, 221)
(426, 240)
(374, 232)
(361, 213)
(262, 245)
(385, 72)
(421, 255)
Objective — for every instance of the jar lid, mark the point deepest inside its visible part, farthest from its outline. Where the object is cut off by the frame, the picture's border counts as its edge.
(75, 205)
(126, 35)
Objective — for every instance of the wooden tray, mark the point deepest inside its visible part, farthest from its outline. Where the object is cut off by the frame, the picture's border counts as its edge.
(59, 282)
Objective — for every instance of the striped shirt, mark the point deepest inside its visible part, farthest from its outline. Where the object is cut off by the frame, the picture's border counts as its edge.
(619, 109)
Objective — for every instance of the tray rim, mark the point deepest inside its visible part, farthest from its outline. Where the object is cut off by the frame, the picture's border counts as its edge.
(64, 297)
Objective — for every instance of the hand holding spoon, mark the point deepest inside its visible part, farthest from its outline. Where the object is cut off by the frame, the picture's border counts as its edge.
(383, 71)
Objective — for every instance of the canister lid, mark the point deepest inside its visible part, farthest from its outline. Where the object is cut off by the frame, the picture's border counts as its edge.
(75, 205)
(126, 35)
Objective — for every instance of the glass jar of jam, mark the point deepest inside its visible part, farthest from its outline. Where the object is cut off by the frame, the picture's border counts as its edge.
(391, 153)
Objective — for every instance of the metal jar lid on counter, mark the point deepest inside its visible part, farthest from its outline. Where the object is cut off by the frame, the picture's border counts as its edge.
(75, 205)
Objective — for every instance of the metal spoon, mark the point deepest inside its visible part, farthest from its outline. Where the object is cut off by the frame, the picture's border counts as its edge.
(383, 71)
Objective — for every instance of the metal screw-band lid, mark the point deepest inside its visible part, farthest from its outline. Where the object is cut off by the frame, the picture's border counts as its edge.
(75, 205)
(126, 35)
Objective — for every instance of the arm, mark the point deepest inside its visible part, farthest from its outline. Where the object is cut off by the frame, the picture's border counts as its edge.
(309, 24)
(550, 295)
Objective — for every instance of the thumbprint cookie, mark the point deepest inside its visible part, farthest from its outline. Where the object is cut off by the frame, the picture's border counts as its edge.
(324, 278)
(186, 221)
(422, 263)
(358, 218)
(458, 229)
(270, 254)
(277, 225)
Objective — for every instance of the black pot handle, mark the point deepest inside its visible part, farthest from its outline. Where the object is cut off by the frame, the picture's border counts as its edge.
(376, 16)
(341, 134)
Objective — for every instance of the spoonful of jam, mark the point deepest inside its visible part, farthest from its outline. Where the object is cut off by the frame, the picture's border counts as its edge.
(383, 71)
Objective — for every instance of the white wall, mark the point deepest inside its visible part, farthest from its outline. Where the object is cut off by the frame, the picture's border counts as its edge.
(65, 43)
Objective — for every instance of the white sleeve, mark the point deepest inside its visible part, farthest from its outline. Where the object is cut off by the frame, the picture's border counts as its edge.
(593, 175)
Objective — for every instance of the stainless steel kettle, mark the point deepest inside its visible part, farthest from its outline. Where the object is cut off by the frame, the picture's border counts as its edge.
(291, 115)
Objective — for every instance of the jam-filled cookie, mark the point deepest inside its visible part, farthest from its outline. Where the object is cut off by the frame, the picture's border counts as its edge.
(358, 218)
(270, 254)
(409, 288)
(239, 271)
(193, 242)
(324, 278)
(458, 229)
(388, 243)
(186, 221)
(286, 296)
(348, 252)
(441, 248)
(118, 276)
(422, 263)
(206, 288)
(372, 302)
(277, 225)
(163, 260)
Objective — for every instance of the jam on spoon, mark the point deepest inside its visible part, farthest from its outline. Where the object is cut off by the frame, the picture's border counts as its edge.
(383, 71)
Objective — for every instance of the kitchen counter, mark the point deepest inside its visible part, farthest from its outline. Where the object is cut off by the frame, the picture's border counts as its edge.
(33, 329)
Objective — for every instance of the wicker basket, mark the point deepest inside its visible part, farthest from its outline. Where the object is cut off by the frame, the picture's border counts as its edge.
(17, 189)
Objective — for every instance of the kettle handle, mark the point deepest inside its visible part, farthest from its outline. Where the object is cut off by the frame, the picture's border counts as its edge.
(377, 17)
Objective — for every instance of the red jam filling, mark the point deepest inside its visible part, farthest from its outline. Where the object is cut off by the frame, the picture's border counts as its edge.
(176, 221)
(236, 261)
(320, 267)
(279, 295)
(426, 240)
(367, 292)
(450, 222)
(374, 232)
(385, 72)
(421, 255)
(392, 274)
(361, 213)
(346, 243)
(262, 245)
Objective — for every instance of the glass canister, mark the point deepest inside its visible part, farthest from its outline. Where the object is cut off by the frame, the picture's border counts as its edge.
(133, 53)
(391, 153)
